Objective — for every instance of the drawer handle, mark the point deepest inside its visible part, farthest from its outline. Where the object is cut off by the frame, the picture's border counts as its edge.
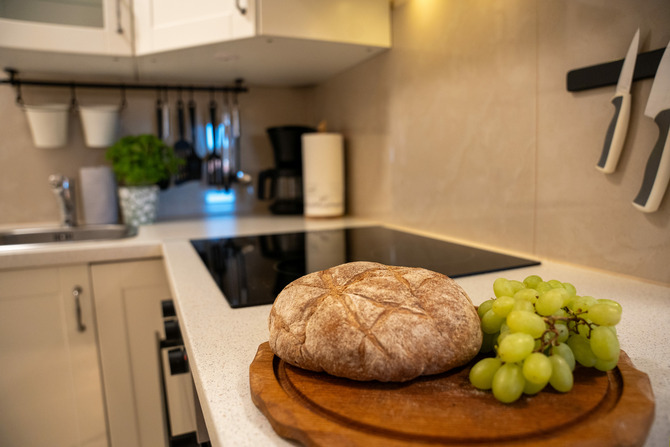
(80, 324)
(242, 9)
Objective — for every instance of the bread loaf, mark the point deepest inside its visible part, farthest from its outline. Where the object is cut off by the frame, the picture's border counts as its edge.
(369, 321)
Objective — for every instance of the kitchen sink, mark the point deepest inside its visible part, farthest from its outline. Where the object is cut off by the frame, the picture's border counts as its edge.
(66, 234)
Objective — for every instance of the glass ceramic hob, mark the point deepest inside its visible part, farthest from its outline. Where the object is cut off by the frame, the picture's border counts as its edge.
(252, 270)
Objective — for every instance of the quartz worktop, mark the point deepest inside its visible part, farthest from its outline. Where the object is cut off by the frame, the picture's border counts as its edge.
(222, 342)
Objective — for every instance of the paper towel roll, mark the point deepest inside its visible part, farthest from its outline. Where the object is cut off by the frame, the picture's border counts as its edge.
(98, 192)
(323, 174)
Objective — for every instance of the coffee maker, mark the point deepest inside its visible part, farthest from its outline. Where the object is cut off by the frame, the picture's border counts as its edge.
(283, 183)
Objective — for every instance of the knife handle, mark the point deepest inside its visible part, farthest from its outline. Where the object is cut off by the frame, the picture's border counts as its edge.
(657, 172)
(616, 134)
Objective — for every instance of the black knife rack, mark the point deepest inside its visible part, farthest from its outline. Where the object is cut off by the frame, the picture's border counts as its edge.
(605, 74)
(14, 81)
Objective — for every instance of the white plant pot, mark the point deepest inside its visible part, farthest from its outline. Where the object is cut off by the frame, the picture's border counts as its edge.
(48, 124)
(100, 124)
(138, 204)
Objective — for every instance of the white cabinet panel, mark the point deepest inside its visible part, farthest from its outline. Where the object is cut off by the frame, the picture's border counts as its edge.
(50, 386)
(113, 38)
(128, 299)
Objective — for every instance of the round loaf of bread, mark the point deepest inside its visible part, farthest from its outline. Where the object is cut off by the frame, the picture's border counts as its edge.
(369, 321)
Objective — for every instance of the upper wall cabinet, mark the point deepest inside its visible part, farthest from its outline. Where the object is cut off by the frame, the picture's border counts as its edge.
(96, 36)
(267, 42)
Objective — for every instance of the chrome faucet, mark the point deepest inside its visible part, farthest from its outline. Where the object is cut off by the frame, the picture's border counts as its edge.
(63, 188)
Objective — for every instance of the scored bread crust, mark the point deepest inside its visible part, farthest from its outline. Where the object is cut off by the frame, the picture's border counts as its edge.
(370, 321)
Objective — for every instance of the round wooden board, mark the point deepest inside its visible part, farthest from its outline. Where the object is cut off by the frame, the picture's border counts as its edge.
(603, 409)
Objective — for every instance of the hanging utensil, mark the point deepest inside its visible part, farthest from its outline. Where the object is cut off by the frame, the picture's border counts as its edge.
(225, 134)
(193, 161)
(159, 115)
(182, 147)
(167, 131)
(240, 176)
(213, 172)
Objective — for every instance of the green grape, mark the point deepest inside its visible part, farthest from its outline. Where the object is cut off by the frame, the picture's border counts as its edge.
(543, 287)
(533, 388)
(561, 375)
(481, 374)
(526, 322)
(604, 343)
(610, 302)
(501, 336)
(583, 329)
(604, 314)
(524, 305)
(503, 305)
(488, 342)
(551, 301)
(560, 313)
(564, 351)
(502, 287)
(516, 285)
(508, 383)
(526, 294)
(555, 284)
(537, 368)
(581, 348)
(582, 303)
(563, 333)
(572, 291)
(484, 307)
(491, 322)
(606, 365)
(532, 281)
(515, 347)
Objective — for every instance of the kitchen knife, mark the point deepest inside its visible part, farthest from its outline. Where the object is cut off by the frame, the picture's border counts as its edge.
(657, 172)
(616, 132)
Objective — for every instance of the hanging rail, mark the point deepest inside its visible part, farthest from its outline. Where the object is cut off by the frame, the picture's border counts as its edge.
(15, 82)
(605, 74)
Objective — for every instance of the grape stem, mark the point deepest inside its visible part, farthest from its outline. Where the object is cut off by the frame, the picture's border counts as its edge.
(550, 336)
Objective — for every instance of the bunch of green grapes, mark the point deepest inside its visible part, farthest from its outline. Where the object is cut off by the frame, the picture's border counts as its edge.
(539, 330)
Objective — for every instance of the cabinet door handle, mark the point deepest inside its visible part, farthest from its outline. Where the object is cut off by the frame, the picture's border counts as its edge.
(242, 9)
(80, 324)
(119, 28)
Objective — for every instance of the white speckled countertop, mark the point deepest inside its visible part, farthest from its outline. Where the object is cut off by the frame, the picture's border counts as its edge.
(222, 341)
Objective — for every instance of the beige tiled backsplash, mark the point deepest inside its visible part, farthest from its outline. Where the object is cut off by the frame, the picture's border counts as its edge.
(464, 128)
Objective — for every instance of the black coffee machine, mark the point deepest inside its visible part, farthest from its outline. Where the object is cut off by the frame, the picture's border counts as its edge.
(284, 182)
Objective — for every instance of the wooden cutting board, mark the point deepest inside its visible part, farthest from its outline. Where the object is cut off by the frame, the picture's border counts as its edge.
(603, 409)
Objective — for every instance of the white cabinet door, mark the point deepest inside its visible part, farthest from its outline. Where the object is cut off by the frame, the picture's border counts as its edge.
(128, 299)
(35, 25)
(164, 25)
(50, 386)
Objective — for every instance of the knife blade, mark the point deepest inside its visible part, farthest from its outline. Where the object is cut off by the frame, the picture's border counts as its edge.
(616, 132)
(657, 171)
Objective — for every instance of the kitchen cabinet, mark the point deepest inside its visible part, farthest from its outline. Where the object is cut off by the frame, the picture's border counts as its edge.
(264, 42)
(270, 42)
(95, 36)
(128, 299)
(172, 24)
(50, 386)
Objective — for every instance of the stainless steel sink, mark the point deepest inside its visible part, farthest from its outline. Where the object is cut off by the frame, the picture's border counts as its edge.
(66, 234)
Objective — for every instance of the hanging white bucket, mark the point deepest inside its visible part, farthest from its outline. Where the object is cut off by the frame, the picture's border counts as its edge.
(48, 124)
(100, 123)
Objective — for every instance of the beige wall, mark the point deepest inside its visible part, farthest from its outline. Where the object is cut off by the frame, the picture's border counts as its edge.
(466, 128)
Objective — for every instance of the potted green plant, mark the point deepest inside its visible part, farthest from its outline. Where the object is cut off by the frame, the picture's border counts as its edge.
(139, 163)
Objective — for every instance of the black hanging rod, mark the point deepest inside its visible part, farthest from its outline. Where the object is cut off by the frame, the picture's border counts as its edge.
(602, 75)
(14, 81)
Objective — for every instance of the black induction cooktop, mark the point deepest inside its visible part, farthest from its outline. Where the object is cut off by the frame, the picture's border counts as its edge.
(252, 270)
